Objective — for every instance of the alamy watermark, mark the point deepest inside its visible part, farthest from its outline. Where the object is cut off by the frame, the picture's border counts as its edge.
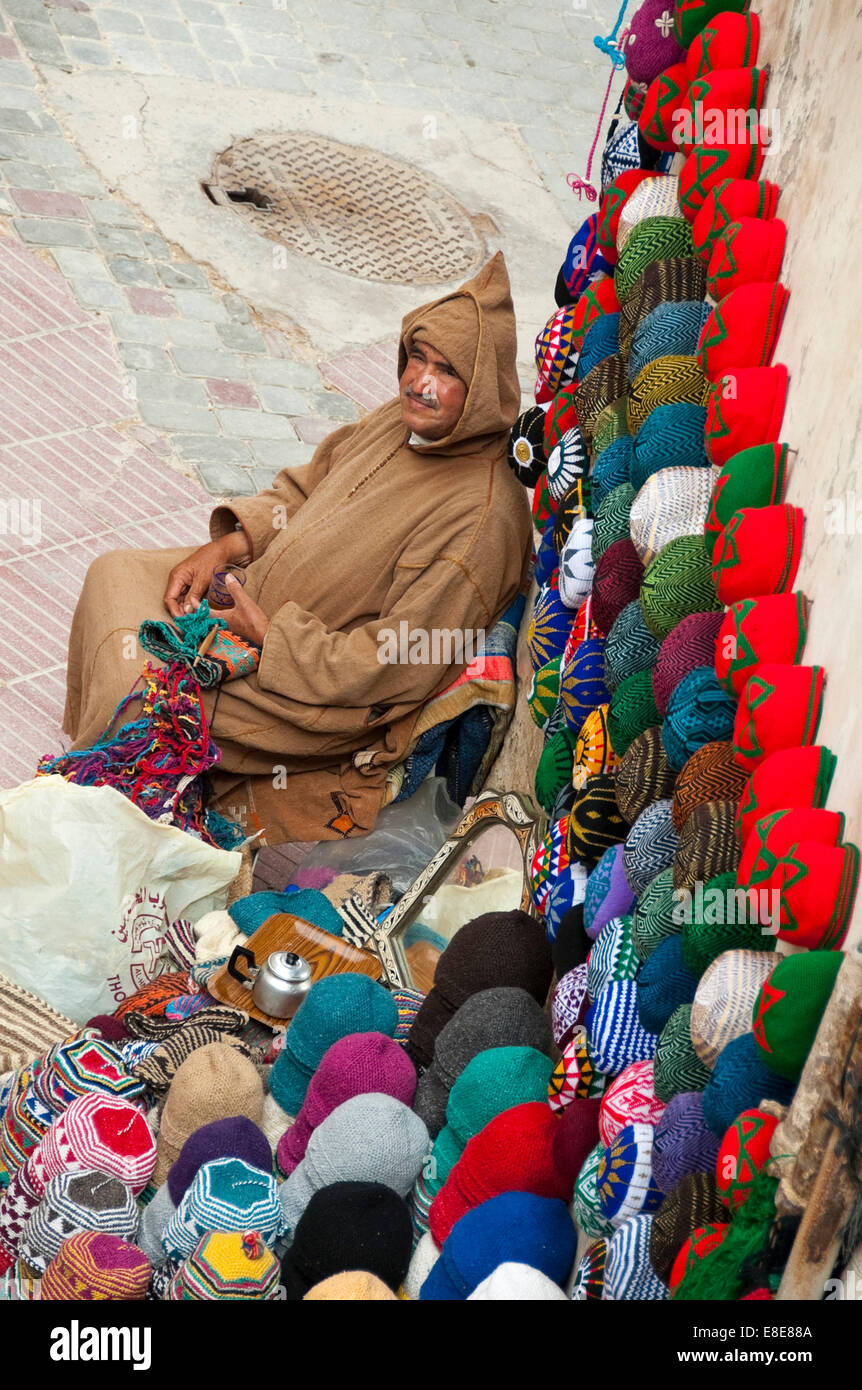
(436, 646)
(724, 907)
(21, 516)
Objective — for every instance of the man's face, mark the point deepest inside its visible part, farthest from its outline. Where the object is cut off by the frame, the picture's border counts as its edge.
(432, 393)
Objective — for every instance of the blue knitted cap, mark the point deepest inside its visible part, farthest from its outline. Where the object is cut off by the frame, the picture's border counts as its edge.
(670, 330)
(601, 340)
(612, 468)
(699, 711)
(515, 1226)
(664, 983)
(335, 1006)
(740, 1081)
(251, 912)
(672, 436)
(615, 1034)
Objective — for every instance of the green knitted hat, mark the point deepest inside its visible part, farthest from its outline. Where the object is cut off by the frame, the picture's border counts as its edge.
(555, 766)
(692, 16)
(495, 1080)
(653, 239)
(612, 424)
(588, 1209)
(632, 710)
(612, 519)
(678, 582)
(789, 1007)
(643, 774)
(708, 935)
(653, 918)
(752, 478)
(677, 1067)
(544, 692)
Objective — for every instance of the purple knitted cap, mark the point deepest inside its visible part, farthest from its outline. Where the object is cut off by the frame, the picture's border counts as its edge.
(618, 899)
(356, 1065)
(651, 47)
(237, 1137)
(691, 643)
(569, 1004)
(683, 1142)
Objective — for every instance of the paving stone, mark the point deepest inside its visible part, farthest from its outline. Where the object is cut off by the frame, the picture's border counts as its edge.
(23, 99)
(99, 293)
(217, 44)
(40, 40)
(16, 75)
(270, 371)
(236, 307)
(225, 479)
(6, 204)
(187, 333)
(23, 175)
(166, 386)
(282, 453)
(140, 328)
(312, 429)
(184, 60)
(206, 448)
(168, 415)
(136, 54)
(232, 393)
(263, 478)
(132, 272)
(248, 425)
(183, 275)
(75, 23)
(280, 79)
(157, 246)
(242, 337)
(145, 357)
(158, 27)
(120, 21)
(109, 212)
(51, 232)
(83, 181)
(118, 241)
(147, 301)
(41, 202)
(13, 145)
(93, 54)
(12, 118)
(192, 304)
(208, 363)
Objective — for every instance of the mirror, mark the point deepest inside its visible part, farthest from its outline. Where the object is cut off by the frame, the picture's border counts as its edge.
(482, 867)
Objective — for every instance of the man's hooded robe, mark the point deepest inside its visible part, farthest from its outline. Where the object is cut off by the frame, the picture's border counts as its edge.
(372, 532)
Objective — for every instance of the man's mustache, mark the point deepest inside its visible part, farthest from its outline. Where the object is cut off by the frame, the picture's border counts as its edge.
(417, 395)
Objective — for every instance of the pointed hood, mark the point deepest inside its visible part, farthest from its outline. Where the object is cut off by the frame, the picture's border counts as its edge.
(474, 327)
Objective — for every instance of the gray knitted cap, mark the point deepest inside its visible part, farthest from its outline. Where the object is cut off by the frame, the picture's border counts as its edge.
(369, 1138)
(503, 1017)
(72, 1202)
(154, 1220)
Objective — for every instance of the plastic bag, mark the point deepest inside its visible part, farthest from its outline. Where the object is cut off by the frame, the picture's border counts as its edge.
(407, 834)
(88, 884)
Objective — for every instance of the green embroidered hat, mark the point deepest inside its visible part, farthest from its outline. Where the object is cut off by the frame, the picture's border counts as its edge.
(752, 478)
(656, 915)
(653, 239)
(719, 919)
(789, 1007)
(692, 16)
(678, 582)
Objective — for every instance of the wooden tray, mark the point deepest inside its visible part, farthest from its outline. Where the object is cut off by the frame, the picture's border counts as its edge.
(325, 953)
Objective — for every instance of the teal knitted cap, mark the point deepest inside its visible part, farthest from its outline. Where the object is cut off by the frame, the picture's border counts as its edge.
(335, 1006)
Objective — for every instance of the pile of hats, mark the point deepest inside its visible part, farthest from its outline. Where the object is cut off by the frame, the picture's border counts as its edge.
(680, 766)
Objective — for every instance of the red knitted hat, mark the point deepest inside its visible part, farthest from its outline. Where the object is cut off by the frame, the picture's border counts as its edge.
(698, 1245)
(742, 331)
(728, 41)
(780, 707)
(560, 417)
(634, 95)
(752, 478)
(722, 106)
(776, 834)
(614, 199)
(709, 165)
(746, 252)
(730, 201)
(513, 1153)
(758, 552)
(743, 1154)
(743, 409)
(692, 16)
(817, 886)
(599, 299)
(544, 505)
(771, 628)
(542, 393)
(789, 778)
(575, 1136)
(665, 109)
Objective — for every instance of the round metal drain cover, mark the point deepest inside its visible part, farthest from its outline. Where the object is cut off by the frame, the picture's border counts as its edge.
(347, 207)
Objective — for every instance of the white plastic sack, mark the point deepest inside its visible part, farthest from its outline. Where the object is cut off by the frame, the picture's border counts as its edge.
(88, 884)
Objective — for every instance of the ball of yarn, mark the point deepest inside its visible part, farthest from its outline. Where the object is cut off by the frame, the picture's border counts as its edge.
(672, 436)
(631, 710)
(616, 582)
(693, 1203)
(683, 1142)
(724, 1001)
(664, 983)
(650, 846)
(689, 645)
(630, 646)
(655, 917)
(612, 519)
(678, 1068)
(740, 1081)
(677, 583)
(711, 774)
(707, 845)
(698, 712)
(643, 774)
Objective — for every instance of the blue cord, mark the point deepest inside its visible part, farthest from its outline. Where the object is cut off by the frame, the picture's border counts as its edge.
(608, 46)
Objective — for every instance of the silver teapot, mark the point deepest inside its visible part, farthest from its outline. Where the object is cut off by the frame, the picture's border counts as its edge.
(278, 986)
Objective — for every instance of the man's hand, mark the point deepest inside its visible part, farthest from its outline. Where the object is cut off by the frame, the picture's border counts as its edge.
(189, 580)
(246, 619)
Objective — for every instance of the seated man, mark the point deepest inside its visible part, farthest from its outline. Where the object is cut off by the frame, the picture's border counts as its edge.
(412, 515)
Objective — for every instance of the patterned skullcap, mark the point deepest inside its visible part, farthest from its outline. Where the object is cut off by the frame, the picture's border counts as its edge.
(94, 1266)
(612, 957)
(548, 863)
(721, 920)
(651, 239)
(616, 1036)
(710, 774)
(227, 1264)
(678, 1069)
(621, 153)
(666, 381)
(547, 559)
(575, 1076)
(643, 774)
(567, 462)
(650, 846)
(587, 1207)
(663, 282)
(612, 467)
(103, 1132)
(555, 767)
(612, 519)
(654, 920)
(744, 1152)
(590, 1274)
(544, 692)
(724, 1001)
(673, 502)
(569, 1003)
(549, 627)
(526, 454)
(741, 1081)
(683, 1142)
(227, 1194)
(707, 845)
(678, 582)
(85, 1064)
(582, 686)
(630, 647)
(630, 1099)
(612, 424)
(664, 983)
(607, 894)
(670, 330)
(604, 385)
(690, 644)
(601, 340)
(670, 437)
(628, 1272)
(75, 1201)
(655, 197)
(698, 712)
(594, 820)
(556, 354)
(573, 507)
(624, 1179)
(631, 711)
(594, 753)
(567, 892)
(577, 567)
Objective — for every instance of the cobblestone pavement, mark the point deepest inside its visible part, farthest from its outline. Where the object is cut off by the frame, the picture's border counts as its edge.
(136, 386)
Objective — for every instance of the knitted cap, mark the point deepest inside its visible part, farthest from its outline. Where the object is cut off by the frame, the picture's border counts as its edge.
(616, 582)
(549, 861)
(643, 775)
(720, 919)
(678, 1069)
(355, 1065)
(683, 1142)
(104, 1132)
(560, 417)
(355, 1286)
(693, 1203)
(745, 408)
(612, 468)
(370, 1138)
(612, 519)
(614, 199)
(673, 502)
(574, 506)
(789, 1007)
(493, 1081)
(571, 945)
(724, 1001)
(666, 101)
(628, 1272)
(587, 1208)
(669, 330)
(604, 385)
(227, 1264)
(153, 1223)
(612, 957)
(515, 1227)
(758, 552)
(607, 893)
(776, 834)
(577, 566)
(632, 710)
(689, 645)
(346, 1226)
(93, 1265)
(86, 1064)
(590, 1275)
(671, 281)
(567, 892)
(548, 628)
(730, 40)
(544, 692)
(575, 1076)
(741, 331)
(710, 774)
(678, 582)
(569, 1004)
(707, 845)
(601, 340)
(740, 1081)
(790, 776)
(574, 1138)
(630, 647)
(770, 629)
(334, 1006)
(89, 1201)
(670, 437)
(582, 686)
(744, 1152)
(616, 1036)
(216, 1082)
(567, 461)
(594, 753)
(650, 47)
(650, 846)
(654, 917)
(526, 456)
(504, 1017)
(624, 1179)
(780, 707)
(666, 381)
(512, 1282)
(699, 1245)
(226, 1195)
(557, 349)
(630, 1099)
(236, 1137)
(664, 983)
(709, 165)
(699, 712)
(594, 820)
(729, 201)
(495, 949)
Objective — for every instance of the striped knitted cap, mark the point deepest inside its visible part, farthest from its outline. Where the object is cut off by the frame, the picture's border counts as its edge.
(663, 282)
(104, 1132)
(671, 437)
(611, 521)
(721, 919)
(227, 1195)
(630, 1099)
(612, 468)
(656, 197)
(601, 340)
(604, 385)
(587, 1207)
(632, 711)
(567, 892)
(628, 1272)
(594, 753)
(710, 774)
(28, 1026)
(725, 1000)
(547, 632)
(569, 1003)
(678, 1069)
(567, 461)
(26, 1119)
(85, 1064)
(654, 918)
(707, 845)
(590, 1275)
(698, 712)
(666, 381)
(669, 330)
(616, 1036)
(612, 957)
(92, 1265)
(582, 685)
(683, 1142)
(643, 774)
(673, 502)
(612, 424)
(651, 846)
(694, 1202)
(227, 1264)
(607, 893)
(690, 644)
(630, 646)
(594, 820)
(664, 983)
(90, 1201)
(741, 1081)
(544, 692)
(624, 1179)
(678, 582)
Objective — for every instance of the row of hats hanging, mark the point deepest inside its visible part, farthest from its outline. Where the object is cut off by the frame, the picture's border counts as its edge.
(685, 788)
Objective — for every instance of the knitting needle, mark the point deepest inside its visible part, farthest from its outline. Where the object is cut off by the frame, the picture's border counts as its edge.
(205, 645)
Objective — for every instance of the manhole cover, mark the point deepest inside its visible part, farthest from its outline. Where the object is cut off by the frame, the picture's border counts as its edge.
(348, 207)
